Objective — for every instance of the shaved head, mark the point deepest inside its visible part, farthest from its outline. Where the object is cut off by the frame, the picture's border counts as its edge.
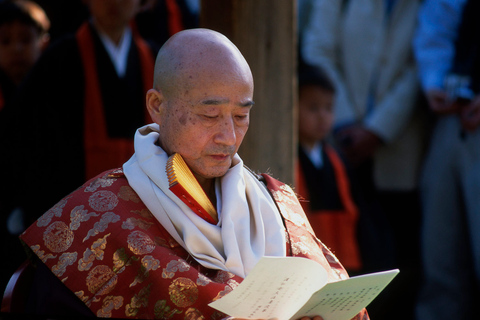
(201, 100)
(195, 53)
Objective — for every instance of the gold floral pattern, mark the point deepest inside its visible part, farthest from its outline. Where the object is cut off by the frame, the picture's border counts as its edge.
(100, 240)
(193, 314)
(164, 311)
(126, 193)
(109, 304)
(94, 252)
(58, 237)
(132, 223)
(103, 200)
(79, 215)
(183, 292)
(104, 182)
(140, 243)
(66, 259)
(138, 301)
(101, 280)
(55, 211)
(102, 225)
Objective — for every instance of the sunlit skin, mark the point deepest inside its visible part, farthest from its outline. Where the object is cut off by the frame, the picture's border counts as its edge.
(20, 47)
(315, 114)
(112, 16)
(202, 100)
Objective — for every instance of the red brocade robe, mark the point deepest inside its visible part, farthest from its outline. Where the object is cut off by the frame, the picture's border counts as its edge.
(104, 245)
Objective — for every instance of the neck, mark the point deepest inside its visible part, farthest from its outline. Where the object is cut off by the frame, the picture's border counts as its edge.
(114, 32)
(307, 144)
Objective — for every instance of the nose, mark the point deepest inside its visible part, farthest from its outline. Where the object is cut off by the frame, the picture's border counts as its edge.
(226, 134)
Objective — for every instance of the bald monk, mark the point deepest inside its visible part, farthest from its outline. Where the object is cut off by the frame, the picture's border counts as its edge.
(125, 245)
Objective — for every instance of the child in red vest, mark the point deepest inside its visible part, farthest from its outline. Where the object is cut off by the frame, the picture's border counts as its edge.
(321, 176)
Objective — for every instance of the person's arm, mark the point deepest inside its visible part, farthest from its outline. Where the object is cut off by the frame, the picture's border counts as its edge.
(434, 47)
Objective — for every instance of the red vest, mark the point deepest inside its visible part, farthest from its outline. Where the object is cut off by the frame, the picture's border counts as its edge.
(101, 151)
(106, 247)
(337, 229)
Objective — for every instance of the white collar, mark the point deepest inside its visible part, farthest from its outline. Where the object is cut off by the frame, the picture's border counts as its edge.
(315, 154)
(118, 54)
(249, 227)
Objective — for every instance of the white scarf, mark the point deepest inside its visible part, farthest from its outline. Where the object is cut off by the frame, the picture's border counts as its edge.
(249, 224)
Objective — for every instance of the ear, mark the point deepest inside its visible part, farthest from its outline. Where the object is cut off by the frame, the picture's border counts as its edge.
(155, 105)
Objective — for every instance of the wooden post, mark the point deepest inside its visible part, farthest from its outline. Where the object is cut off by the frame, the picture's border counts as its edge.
(265, 32)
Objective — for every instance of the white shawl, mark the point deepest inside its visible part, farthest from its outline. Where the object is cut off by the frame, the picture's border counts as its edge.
(249, 225)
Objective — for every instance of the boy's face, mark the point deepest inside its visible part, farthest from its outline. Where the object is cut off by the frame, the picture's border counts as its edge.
(20, 47)
(315, 114)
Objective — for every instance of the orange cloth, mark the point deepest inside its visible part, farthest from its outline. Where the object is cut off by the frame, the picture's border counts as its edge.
(101, 151)
(337, 229)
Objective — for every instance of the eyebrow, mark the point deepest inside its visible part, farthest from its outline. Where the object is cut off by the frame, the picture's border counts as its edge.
(216, 102)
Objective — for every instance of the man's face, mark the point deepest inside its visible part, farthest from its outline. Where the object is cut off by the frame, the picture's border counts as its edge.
(205, 122)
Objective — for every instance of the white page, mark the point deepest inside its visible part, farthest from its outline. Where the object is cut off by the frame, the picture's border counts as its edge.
(291, 287)
(342, 300)
(275, 288)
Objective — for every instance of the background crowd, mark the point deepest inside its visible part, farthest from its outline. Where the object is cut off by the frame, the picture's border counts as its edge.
(388, 154)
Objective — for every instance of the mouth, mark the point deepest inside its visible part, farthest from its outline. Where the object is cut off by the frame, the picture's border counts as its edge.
(220, 157)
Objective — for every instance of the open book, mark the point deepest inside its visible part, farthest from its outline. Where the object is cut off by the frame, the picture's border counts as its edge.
(292, 287)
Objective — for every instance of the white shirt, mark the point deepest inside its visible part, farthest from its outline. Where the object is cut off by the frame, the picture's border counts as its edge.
(118, 54)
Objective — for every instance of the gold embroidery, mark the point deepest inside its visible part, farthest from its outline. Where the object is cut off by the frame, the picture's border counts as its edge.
(221, 294)
(58, 237)
(150, 263)
(65, 260)
(121, 260)
(81, 295)
(138, 300)
(223, 276)
(183, 292)
(166, 243)
(102, 225)
(103, 201)
(92, 253)
(140, 243)
(41, 253)
(131, 223)
(103, 182)
(163, 311)
(110, 303)
(193, 314)
(202, 280)
(101, 280)
(78, 215)
(126, 193)
(144, 213)
(57, 209)
(174, 266)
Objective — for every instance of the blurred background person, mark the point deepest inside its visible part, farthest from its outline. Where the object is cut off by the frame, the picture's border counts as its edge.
(365, 48)
(447, 50)
(23, 35)
(76, 112)
(321, 177)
